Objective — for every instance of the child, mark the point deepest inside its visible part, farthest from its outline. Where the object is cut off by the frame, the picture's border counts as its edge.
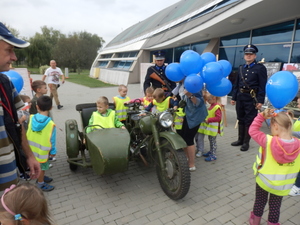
(24, 204)
(40, 89)
(295, 191)
(105, 117)
(147, 99)
(119, 101)
(41, 135)
(162, 102)
(212, 126)
(277, 163)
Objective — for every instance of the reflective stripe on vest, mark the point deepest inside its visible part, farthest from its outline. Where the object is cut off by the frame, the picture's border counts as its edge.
(40, 142)
(162, 106)
(212, 129)
(178, 120)
(104, 121)
(273, 177)
(120, 109)
(296, 126)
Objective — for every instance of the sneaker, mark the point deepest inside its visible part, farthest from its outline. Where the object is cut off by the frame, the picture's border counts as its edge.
(53, 159)
(50, 165)
(210, 158)
(199, 154)
(192, 169)
(47, 179)
(295, 191)
(206, 154)
(59, 106)
(24, 176)
(45, 187)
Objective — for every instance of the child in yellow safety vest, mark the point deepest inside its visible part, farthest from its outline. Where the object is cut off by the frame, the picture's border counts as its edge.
(161, 102)
(277, 163)
(104, 117)
(119, 101)
(41, 135)
(212, 126)
(147, 99)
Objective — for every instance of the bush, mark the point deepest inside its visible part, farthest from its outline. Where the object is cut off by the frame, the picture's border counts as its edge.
(43, 69)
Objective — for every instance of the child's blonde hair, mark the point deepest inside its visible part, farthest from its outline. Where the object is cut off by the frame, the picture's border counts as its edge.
(121, 87)
(27, 200)
(284, 120)
(37, 84)
(158, 93)
(149, 90)
(208, 95)
(103, 100)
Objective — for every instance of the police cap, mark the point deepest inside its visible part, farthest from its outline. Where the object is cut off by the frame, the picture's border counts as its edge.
(250, 49)
(159, 55)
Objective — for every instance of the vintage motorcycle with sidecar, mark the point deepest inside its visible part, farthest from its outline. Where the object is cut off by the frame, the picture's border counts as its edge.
(148, 139)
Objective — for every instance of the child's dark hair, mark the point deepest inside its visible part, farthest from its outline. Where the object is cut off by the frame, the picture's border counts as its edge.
(37, 84)
(103, 100)
(24, 98)
(28, 201)
(44, 103)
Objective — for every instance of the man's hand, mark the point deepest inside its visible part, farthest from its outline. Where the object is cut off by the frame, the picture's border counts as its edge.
(258, 106)
(232, 102)
(34, 167)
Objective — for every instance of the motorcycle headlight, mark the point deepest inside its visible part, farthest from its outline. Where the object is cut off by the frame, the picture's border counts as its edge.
(166, 119)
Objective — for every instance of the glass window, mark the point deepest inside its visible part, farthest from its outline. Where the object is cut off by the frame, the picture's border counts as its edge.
(103, 63)
(178, 51)
(297, 35)
(236, 39)
(274, 53)
(107, 56)
(124, 65)
(199, 47)
(281, 32)
(296, 53)
(234, 55)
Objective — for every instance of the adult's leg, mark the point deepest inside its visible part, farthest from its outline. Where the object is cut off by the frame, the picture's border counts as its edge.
(53, 90)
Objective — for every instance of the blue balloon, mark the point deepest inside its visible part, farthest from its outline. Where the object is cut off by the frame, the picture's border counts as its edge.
(227, 67)
(212, 72)
(208, 57)
(190, 62)
(221, 88)
(282, 88)
(193, 83)
(185, 52)
(16, 79)
(174, 72)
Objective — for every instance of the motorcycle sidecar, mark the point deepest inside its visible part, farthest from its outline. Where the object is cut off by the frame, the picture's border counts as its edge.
(108, 148)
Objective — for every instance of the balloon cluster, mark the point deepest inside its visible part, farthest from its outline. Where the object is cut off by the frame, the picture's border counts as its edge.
(281, 88)
(16, 79)
(197, 69)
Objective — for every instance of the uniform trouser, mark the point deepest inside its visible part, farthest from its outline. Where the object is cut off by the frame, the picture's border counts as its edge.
(245, 111)
(261, 199)
(53, 93)
(200, 143)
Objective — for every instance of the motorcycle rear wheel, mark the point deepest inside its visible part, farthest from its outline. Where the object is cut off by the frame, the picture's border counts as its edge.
(175, 178)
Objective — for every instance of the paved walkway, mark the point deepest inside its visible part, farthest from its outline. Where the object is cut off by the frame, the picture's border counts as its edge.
(221, 192)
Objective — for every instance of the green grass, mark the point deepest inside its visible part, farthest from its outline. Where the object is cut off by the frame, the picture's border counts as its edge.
(84, 79)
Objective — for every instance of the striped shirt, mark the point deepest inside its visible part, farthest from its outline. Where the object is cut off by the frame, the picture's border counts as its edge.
(8, 168)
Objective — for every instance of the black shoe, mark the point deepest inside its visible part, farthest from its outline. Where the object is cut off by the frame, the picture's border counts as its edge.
(245, 147)
(237, 143)
(59, 106)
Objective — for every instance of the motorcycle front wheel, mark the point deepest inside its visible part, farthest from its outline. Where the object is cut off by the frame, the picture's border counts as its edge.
(175, 177)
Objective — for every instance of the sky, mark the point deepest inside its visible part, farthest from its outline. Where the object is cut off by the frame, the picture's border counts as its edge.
(106, 18)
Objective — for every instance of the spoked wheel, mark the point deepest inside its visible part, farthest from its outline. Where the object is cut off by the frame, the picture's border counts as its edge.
(175, 177)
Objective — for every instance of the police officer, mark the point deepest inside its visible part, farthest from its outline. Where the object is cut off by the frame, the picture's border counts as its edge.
(156, 74)
(248, 94)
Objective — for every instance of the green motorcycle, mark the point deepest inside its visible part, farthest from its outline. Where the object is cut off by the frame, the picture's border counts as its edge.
(148, 139)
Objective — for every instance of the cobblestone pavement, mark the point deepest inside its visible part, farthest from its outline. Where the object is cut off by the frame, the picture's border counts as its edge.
(221, 192)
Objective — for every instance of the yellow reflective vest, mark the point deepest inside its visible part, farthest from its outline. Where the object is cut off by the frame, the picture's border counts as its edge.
(146, 102)
(103, 121)
(212, 129)
(296, 126)
(178, 120)
(40, 142)
(162, 106)
(271, 176)
(120, 109)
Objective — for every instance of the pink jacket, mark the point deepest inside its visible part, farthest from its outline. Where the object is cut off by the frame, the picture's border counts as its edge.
(283, 152)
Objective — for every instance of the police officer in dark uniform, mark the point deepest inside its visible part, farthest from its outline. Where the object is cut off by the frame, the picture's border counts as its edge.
(156, 74)
(248, 94)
